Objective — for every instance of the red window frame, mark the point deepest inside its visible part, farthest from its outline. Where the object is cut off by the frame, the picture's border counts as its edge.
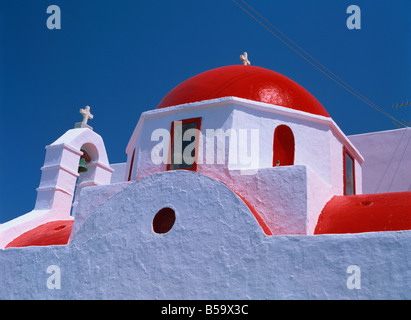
(131, 165)
(197, 141)
(345, 153)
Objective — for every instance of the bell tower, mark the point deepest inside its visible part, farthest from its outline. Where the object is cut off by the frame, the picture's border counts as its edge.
(75, 160)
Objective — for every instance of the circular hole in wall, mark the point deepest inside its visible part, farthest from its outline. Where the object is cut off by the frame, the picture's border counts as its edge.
(164, 220)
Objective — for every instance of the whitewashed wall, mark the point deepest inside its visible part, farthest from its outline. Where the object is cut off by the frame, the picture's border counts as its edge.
(318, 146)
(215, 250)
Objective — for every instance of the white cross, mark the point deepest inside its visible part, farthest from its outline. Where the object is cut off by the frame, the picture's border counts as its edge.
(244, 58)
(86, 114)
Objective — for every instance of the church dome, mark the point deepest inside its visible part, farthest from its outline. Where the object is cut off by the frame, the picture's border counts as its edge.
(366, 213)
(244, 81)
(47, 234)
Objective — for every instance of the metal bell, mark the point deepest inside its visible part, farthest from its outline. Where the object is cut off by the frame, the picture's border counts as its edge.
(82, 165)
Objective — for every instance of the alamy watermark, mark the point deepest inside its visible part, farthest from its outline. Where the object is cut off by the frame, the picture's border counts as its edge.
(354, 20)
(354, 280)
(54, 280)
(54, 20)
(186, 147)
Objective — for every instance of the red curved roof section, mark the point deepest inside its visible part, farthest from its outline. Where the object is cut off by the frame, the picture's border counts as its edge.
(366, 213)
(248, 82)
(47, 234)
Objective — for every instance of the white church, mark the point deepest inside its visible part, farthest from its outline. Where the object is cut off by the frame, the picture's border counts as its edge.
(237, 174)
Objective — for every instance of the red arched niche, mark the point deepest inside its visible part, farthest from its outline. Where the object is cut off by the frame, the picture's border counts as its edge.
(283, 148)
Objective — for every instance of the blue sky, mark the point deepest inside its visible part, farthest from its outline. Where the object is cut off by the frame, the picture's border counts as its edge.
(121, 57)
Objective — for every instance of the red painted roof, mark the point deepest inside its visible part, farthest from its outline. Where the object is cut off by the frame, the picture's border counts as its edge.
(47, 234)
(248, 82)
(366, 213)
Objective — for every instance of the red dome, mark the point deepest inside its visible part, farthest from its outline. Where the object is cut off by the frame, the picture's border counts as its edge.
(248, 82)
(366, 213)
(47, 234)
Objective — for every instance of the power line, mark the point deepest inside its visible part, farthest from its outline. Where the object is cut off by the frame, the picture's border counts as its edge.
(324, 67)
(327, 72)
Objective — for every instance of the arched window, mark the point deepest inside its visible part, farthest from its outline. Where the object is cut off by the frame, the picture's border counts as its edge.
(283, 148)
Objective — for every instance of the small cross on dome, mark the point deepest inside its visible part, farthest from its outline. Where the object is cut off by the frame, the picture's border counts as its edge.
(244, 58)
(86, 115)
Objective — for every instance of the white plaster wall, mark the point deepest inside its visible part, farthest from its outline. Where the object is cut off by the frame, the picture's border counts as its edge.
(279, 195)
(312, 140)
(90, 199)
(212, 118)
(119, 172)
(317, 147)
(215, 250)
(58, 155)
(387, 160)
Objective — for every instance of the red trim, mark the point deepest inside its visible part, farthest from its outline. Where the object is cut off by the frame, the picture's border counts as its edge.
(131, 164)
(198, 120)
(260, 221)
(170, 150)
(345, 152)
